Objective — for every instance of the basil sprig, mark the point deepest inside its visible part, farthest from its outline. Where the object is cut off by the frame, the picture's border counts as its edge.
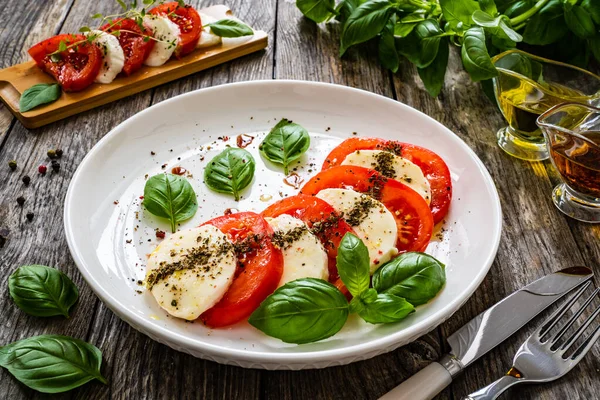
(41, 93)
(42, 291)
(309, 309)
(230, 28)
(170, 196)
(230, 171)
(285, 143)
(52, 363)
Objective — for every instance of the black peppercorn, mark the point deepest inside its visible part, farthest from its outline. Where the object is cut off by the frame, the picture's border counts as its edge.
(58, 153)
(21, 200)
(12, 164)
(29, 216)
(26, 179)
(55, 166)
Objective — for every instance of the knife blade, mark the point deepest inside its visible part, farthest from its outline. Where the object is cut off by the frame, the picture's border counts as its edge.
(489, 329)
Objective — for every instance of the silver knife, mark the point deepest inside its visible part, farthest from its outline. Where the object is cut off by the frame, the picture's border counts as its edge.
(487, 330)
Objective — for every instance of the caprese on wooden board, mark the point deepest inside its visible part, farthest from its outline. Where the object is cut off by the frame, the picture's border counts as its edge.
(351, 240)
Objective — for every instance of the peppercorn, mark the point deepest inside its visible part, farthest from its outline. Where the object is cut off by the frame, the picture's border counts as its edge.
(29, 216)
(42, 169)
(160, 234)
(12, 164)
(55, 166)
(21, 200)
(59, 153)
(26, 179)
(51, 153)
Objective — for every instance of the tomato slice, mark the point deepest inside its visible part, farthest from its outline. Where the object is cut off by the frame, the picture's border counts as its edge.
(311, 210)
(76, 68)
(414, 221)
(131, 39)
(188, 20)
(433, 166)
(260, 266)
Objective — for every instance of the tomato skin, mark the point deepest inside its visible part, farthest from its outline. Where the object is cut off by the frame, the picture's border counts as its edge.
(414, 220)
(188, 20)
(433, 166)
(258, 273)
(136, 50)
(311, 210)
(77, 67)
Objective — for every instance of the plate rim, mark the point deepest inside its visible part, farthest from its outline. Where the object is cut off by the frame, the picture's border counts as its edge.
(389, 341)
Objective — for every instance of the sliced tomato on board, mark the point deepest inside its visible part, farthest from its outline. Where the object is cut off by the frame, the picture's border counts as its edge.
(260, 266)
(311, 210)
(433, 166)
(75, 68)
(131, 38)
(414, 220)
(188, 20)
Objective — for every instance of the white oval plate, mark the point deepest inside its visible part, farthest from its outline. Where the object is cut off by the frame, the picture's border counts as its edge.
(109, 234)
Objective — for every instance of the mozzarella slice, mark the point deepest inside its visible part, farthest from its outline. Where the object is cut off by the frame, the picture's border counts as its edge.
(113, 58)
(207, 38)
(303, 253)
(190, 271)
(373, 223)
(392, 166)
(167, 32)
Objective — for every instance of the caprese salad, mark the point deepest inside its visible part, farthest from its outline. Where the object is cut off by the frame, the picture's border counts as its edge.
(351, 240)
(122, 44)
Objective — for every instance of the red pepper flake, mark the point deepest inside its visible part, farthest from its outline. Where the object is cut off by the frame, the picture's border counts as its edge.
(141, 197)
(42, 169)
(160, 234)
(116, 202)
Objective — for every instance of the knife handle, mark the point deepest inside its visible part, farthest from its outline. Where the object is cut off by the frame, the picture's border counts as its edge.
(424, 385)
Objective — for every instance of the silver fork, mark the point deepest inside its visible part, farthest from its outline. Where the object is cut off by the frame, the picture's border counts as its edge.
(541, 359)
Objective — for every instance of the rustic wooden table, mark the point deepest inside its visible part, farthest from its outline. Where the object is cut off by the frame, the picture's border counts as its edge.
(537, 239)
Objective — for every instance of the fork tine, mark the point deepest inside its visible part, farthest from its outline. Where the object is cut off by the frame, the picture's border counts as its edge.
(586, 346)
(556, 316)
(582, 328)
(572, 320)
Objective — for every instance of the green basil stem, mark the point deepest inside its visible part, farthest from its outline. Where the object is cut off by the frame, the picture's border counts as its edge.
(529, 13)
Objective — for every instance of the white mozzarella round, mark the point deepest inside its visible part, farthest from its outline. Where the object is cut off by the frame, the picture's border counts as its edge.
(113, 58)
(396, 167)
(207, 37)
(373, 223)
(167, 33)
(190, 271)
(304, 256)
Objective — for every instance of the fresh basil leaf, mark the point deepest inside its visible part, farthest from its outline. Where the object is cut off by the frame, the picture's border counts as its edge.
(42, 93)
(433, 75)
(593, 7)
(547, 25)
(316, 10)
(421, 46)
(230, 171)
(346, 8)
(475, 57)
(580, 22)
(52, 363)
(403, 29)
(285, 143)
(365, 22)
(458, 12)
(417, 277)
(518, 8)
(302, 311)
(594, 44)
(230, 28)
(385, 308)
(504, 5)
(496, 26)
(388, 55)
(501, 44)
(170, 196)
(42, 291)
(353, 264)
(572, 50)
(488, 6)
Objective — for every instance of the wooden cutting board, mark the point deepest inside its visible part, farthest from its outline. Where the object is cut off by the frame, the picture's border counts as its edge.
(16, 79)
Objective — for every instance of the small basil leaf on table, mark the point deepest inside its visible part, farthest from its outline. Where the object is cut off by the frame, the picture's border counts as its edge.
(230, 28)
(417, 277)
(385, 308)
(547, 25)
(42, 291)
(285, 143)
(475, 56)
(458, 12)
(388, 56)
(52, 363)
(433, 75)
(353, 264)
(316, 10)
(230, 171)
(302, 311)
(39, 94)
(170, 196)
(365, 22)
